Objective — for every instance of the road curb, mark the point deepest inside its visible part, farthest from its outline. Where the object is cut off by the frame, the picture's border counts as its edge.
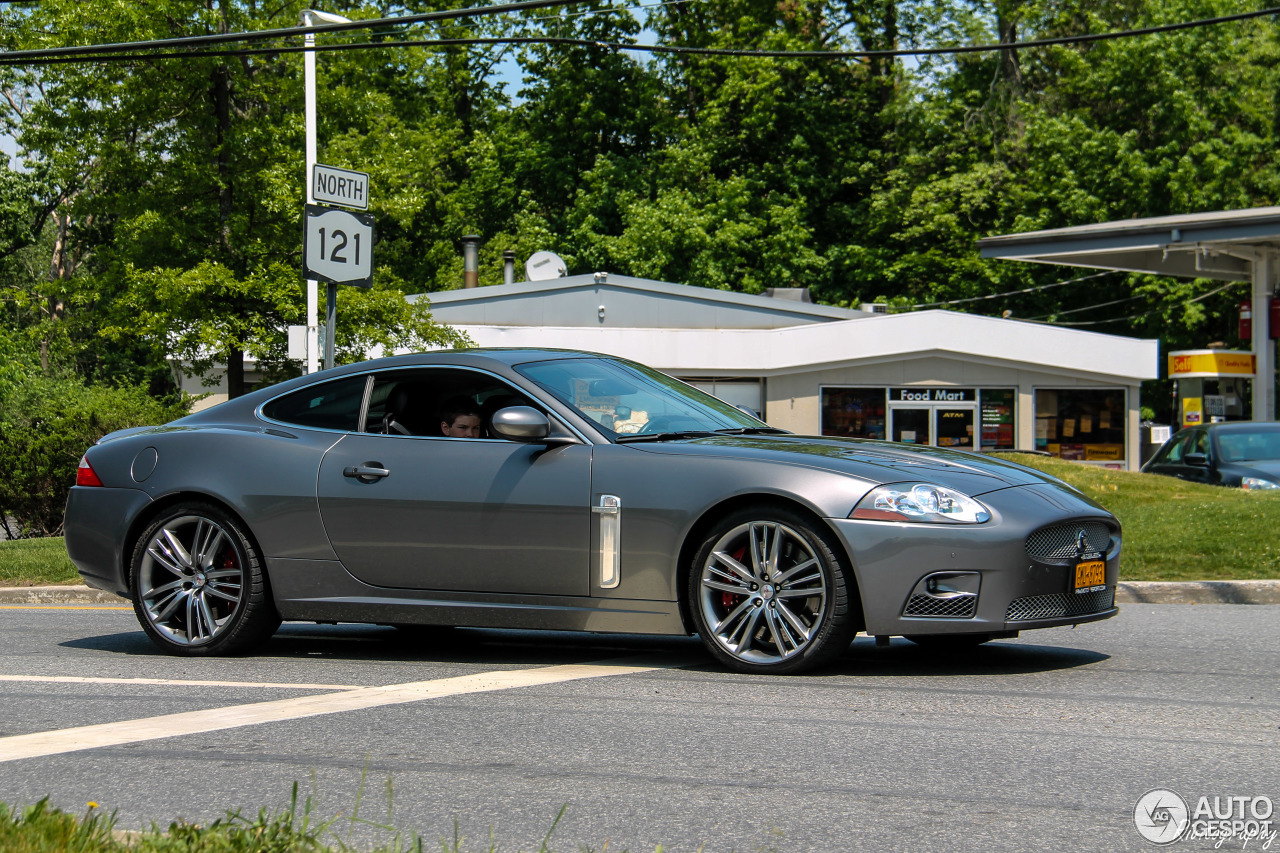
(1129, 592)
(1199, 592)
(58, 595)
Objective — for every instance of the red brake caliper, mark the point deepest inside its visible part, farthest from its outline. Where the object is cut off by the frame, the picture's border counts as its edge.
(730, 600)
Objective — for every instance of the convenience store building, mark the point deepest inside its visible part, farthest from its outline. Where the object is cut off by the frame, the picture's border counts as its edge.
(937, 378)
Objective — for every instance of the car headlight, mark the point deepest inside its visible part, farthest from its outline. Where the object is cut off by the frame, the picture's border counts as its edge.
(920, 502)
(1255, 483)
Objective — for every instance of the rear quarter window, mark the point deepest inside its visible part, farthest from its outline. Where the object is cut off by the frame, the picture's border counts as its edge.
(329, 405)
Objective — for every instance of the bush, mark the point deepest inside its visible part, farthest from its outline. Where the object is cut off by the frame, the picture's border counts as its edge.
(46, 424)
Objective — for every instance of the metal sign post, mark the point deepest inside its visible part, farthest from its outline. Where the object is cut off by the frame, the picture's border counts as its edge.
(308, 18)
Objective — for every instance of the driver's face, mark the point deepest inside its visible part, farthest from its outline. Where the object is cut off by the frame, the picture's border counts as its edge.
(463, 426)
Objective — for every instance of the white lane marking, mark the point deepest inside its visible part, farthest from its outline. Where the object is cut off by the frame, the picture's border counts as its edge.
(62, 607)
(215, 719)
(83, 679)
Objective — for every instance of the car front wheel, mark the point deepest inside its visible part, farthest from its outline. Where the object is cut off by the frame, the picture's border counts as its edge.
(769, 593)
(199, 587)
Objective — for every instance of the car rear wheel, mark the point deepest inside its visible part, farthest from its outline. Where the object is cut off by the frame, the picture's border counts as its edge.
(198, 583)
(769, 593)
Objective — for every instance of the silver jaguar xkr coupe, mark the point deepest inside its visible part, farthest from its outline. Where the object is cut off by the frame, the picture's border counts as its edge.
(542, 489)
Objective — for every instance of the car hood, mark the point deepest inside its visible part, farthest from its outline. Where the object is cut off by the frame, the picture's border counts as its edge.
(876, 461)
(1266, 469)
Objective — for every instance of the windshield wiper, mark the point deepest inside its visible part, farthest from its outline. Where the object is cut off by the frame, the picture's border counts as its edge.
(662, 436)
(753, 431)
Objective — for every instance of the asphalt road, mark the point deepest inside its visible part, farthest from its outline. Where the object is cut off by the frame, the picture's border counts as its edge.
(1041, 743)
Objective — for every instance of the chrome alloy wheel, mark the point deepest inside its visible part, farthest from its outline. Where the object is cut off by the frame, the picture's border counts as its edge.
(191, 580)
(763, 592)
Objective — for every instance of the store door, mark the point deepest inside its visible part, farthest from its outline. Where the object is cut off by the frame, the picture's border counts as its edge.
(941, 426)
(955, 426)
(910, 425)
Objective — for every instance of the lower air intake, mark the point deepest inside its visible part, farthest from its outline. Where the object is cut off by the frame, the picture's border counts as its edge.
(952, 607)
(1057, 606)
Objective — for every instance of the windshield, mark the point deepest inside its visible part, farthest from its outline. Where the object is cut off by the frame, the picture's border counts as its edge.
(624, 398)
(1249, 446)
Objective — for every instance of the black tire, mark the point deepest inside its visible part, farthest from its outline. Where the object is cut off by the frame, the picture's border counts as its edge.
(949, 642)
(198, 583)
(784, 611)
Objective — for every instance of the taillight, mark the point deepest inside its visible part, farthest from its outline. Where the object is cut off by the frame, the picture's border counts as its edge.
(85, 475)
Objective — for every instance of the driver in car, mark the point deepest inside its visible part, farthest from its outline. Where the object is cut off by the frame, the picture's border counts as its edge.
(460, 418)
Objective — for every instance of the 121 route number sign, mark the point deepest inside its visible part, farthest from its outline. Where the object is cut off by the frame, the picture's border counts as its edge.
(337, 246)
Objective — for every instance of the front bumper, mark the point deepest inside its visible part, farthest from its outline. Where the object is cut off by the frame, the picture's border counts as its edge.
(96, 527)
(1013, 589)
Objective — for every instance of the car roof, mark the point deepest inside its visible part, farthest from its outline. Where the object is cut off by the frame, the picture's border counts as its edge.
(242, 408)
(1244, 426)
(504, 355)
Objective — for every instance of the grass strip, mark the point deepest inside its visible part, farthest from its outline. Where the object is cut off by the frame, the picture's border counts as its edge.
(36, 562)
(42, 828)
(1175, 530)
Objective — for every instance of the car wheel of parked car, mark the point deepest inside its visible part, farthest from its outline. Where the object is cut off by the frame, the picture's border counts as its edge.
(198, 583)
(769, 593)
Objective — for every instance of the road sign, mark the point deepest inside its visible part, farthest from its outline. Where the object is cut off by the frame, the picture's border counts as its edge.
(337, 246)
(343, 187)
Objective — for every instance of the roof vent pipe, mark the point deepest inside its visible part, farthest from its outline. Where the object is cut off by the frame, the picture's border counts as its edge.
(471, 260)
(795, 294)
(508, 267)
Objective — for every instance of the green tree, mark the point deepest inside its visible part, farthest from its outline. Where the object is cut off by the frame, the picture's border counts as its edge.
(184, 218)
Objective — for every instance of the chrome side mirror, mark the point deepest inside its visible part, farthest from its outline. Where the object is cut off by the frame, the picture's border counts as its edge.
(520, 423)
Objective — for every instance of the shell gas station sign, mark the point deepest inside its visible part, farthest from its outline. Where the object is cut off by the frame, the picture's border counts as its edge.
(1211, 363)
(1190, 369)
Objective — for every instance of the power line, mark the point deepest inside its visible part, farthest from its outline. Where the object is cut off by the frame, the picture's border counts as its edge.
(1014, 292)
(1145, 314)
(105, 52)
(1088, 307)
(14, 57)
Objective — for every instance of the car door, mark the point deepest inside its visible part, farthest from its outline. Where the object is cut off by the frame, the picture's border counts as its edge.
(1198, 445)
(468, 514)
(1174, 463)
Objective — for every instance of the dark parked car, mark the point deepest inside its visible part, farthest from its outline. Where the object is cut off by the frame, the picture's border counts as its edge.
(1242, 454)
(600, 495)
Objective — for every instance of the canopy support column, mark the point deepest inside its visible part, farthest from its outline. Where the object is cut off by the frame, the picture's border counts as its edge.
(1264, 349)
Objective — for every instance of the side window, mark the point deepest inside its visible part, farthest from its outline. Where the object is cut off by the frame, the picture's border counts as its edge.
(1201, 443)
(438, 402)
(331, 405)
(1178, 449)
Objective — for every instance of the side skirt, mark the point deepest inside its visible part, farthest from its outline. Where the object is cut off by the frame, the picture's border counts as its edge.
(323, 590)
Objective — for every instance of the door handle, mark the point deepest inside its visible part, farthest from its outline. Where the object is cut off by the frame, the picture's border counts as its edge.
(369, 472)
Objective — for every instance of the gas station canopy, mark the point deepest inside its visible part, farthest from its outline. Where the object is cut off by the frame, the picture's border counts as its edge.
(1228, 245)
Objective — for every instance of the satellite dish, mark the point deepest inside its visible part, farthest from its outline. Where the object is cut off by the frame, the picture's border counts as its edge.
(544, 265)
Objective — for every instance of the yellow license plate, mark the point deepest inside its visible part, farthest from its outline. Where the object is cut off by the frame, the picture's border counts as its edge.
(1090, 574)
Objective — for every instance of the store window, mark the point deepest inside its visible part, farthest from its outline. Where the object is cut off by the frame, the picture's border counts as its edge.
(853, 412)
(1082, 424)
(998, 418)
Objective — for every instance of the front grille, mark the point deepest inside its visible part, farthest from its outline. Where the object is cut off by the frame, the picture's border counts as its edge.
(955, 607)
(1059, 541)
(1060, 605)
